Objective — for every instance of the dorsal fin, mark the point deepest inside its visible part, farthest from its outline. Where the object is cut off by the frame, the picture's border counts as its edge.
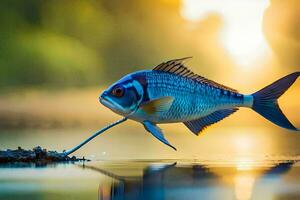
(177, 67)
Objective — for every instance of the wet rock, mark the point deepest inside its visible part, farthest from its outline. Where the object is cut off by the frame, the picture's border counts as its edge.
(36, 155)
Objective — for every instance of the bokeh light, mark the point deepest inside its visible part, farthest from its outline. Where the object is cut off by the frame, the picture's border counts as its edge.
(241, 33)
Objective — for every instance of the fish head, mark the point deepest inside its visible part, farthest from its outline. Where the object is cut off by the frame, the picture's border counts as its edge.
(124, 96)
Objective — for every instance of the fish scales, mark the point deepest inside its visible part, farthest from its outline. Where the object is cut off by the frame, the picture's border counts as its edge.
(192, 99)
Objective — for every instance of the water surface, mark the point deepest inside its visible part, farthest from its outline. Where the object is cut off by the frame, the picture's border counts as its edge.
(153, 179)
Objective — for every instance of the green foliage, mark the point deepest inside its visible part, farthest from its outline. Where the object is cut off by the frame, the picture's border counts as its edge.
(51, 43)
(88, 42)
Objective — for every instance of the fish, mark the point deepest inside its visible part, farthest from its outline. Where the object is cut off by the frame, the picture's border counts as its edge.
(172, 93)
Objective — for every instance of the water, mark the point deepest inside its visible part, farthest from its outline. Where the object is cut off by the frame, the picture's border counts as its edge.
(228, 161)
(239, 163)
(155, 179)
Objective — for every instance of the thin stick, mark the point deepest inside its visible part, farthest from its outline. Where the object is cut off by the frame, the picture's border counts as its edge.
(68, 152)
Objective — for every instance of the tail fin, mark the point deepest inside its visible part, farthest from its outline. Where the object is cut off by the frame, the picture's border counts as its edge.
(265, 101)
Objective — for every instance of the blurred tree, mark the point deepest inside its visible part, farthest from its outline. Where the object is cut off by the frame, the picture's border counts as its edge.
(88, 42)
(33, 52)
(148, 31)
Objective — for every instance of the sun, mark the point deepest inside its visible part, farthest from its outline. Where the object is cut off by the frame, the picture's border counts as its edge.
(242, 34)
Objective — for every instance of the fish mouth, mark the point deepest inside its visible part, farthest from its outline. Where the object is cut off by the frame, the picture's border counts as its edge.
(110, 104)
(104, 101)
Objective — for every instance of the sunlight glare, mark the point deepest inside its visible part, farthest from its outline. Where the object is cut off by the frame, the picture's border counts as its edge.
(242, 32)
(243, 186)
(244, 164)
(243, 144)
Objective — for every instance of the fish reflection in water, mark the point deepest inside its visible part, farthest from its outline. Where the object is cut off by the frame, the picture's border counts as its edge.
(194, 181)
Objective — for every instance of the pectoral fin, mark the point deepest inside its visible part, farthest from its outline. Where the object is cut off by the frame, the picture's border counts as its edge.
(156, 132)
(157, 105)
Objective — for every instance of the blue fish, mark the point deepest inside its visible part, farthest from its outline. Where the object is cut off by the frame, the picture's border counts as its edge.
(172, 93)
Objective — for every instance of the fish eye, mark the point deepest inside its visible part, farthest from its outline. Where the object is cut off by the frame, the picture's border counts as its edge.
(118, 91)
